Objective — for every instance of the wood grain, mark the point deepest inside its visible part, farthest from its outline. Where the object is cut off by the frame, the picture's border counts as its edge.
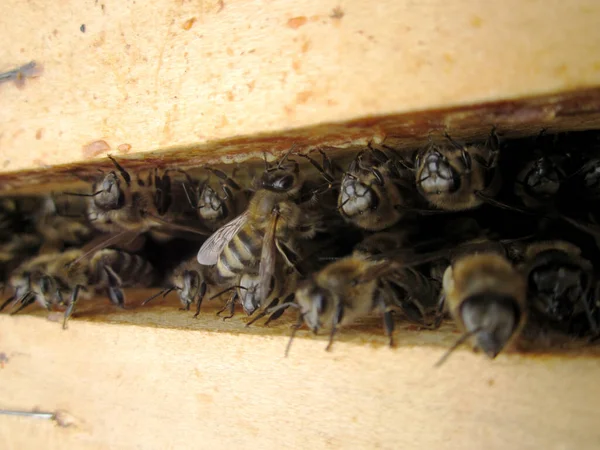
(131, 386)
(175, 73)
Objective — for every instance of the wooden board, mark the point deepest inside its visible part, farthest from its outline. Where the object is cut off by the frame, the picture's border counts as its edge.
(154, 377)
(128, 77)
(129, 386)
(219, 81)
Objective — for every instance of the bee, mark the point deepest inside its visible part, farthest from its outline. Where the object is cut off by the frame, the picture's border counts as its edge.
(51, 280)
(252, 241)
(192, 281)
(456, 177)
(358, 285)
(373, 191)
(539, 181)
(560, 283)
(486, 296)
(215, 210)
(120, 202)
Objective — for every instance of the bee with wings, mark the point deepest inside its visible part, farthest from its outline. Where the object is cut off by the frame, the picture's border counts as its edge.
(51, 279)
(266, 230)
(125, 207)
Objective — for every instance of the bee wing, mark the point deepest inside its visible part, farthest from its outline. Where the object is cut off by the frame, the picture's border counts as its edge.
(267, 260)
(208, 254)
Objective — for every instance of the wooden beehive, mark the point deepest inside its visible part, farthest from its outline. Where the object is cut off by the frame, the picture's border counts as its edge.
(220, 82)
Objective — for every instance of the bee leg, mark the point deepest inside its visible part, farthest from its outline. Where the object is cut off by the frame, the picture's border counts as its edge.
(337, 319)
(26, 301)
(590, 316)
(260, 315)
(452, 141)
(231, 305)
(439, 313)
(5, 304)
(201, 295)
(227, 183)
(290, 257)
(72, 303)
(378, 176)
(321, 168)
(388, 325)
(115, 294)
(277, 314)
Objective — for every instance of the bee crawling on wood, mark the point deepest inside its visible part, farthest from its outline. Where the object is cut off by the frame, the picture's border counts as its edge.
(357, 285)
(266, 232)
(487, 297)
(52, 280)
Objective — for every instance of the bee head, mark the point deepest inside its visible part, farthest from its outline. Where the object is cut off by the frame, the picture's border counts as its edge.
(557, 284)
(437, 174)
(190, 287)
(541, 178)
(211, 206)
(284, 179)
(315, 305)
(108, 194)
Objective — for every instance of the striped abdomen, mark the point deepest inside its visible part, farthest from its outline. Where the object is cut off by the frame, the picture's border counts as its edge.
(131, 270)
(242, 252)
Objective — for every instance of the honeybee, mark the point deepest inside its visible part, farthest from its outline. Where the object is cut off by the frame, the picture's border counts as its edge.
(51, 279)
(486, 296)
(215, 210)
(373, 191)
(121, 203)
(457, 177)
(560, 283)
(269, 227)
(356, 286)
(539, 182)
(192, 281)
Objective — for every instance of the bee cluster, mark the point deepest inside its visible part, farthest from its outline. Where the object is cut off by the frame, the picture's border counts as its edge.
(498, 236)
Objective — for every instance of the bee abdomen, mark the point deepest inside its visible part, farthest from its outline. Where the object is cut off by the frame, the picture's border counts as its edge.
(133, 270)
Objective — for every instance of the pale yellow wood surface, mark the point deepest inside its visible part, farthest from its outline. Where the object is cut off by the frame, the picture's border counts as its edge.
(131, 386)
(174, 73)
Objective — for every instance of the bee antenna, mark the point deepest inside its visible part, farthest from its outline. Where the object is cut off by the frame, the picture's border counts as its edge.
(121, 170)
(230, 288)
(187, 195)
(163, 291)
(285, 155)
(295, 328)
(79, 194)
(103, 244)
(460, 341)
(329, 258)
